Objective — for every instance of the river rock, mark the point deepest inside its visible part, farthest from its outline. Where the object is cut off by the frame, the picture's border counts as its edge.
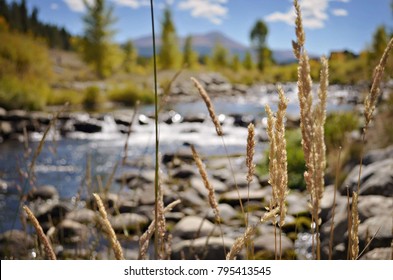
(15, 244)
(184, 156)
(43, 193)
(5, 129)
(185, 172)
(88, 126)
(297, 203)
(83, 216)
(17, 116)
(134, 177)
(128, 221)
(374, 205)
(378, 254)
(3, 113)
(327, 203)
(227, 213)
(203, 248)
(378, 155)
(191, 198)
(199, 186)
(232, 197)
(376, 179)
(198, 118)
(51, 213)
(71, 232)
(370, 227)
(191, 227)
(243, 120)
(266, 243)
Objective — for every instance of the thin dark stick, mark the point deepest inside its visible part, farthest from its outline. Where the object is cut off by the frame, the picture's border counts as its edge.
(156, 133)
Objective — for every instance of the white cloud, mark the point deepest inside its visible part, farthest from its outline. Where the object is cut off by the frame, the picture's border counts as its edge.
(54, 6)
(77, 5)
(314, 12)
(135, 4)
(213, 10)
(340, 12)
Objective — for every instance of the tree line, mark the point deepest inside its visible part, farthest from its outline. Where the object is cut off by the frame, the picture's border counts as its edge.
(18, 18)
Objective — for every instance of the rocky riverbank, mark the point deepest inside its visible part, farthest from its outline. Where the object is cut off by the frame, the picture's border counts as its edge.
(73, 229)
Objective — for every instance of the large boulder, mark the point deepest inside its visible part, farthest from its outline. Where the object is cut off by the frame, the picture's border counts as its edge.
(374, 206)
(376, 179)
(378, 228)
(378, 155)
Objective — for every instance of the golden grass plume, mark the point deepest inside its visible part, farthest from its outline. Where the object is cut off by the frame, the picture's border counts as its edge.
(209, 105)
(106, 225)
(40, 233)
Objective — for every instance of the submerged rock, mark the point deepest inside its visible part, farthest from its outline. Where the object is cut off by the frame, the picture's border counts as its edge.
(43, 192)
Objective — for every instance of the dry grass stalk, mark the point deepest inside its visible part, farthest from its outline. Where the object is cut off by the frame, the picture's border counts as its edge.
(40, 233)
(278, 155)
(106, 225)
(241, 241)
(209, 106)
(161, 222)
(354, 227)
(300, 35)
(148, 234)
(206, 182)
(312, 121)
(250, 153)
(371, 99)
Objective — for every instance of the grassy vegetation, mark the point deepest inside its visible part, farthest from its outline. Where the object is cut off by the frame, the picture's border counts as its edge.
(24, 72)
(130, 93)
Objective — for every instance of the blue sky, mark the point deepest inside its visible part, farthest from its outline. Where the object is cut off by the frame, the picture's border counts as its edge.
(330, 24)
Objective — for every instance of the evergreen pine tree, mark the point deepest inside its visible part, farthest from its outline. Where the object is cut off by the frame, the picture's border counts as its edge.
(169, 53)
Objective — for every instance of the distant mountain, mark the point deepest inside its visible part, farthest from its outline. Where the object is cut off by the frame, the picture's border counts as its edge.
(204, 44)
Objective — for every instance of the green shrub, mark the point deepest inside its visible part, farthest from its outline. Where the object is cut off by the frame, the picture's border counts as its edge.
(296, 163)
(27, 94)
(91, 99)
(63, 96)
(130, 94)
(337, 126)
